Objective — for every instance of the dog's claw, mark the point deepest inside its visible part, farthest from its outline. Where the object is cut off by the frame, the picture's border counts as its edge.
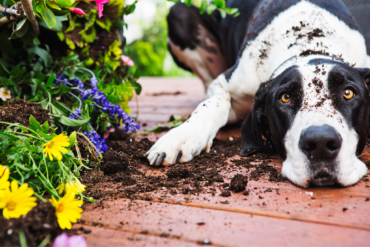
(160, 159)
(146, 154)
(154, 159)
(178, 156)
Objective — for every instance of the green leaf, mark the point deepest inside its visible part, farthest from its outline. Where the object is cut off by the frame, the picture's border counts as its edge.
(231, 11)
(187, 2)
(105, 23)
(7, 136)
(50, 80)
(53, 5)
(72, 138)
(137, 87)
(211, 8)
(220, 4)
(45, 127)
(3, 71)
(71, 122)
(41, 133)
(21, 29)
(42, 53)
(47, 15)
(223, 14)
(36, 41)
(34, 125)
(203, 7)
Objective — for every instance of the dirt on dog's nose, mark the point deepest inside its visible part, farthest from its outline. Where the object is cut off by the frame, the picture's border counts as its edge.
(320, 143)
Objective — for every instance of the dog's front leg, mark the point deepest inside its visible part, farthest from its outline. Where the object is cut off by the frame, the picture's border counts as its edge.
(181, 144)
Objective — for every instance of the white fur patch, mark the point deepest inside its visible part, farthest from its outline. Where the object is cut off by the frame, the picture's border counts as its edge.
(317, 110)
(254, 68)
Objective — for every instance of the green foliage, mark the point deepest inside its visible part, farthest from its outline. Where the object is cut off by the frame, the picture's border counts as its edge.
(21, 150)
(210, 6)
(150, 53)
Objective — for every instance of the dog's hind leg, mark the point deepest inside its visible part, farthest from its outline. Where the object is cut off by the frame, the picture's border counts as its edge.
(194, 43)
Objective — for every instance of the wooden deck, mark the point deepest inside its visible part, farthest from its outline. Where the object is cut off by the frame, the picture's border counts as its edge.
(287, 215)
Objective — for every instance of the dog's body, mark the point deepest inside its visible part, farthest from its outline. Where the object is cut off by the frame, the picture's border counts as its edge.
(293, 49)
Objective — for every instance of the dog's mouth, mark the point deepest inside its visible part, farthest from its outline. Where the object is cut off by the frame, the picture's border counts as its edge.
(323, 178)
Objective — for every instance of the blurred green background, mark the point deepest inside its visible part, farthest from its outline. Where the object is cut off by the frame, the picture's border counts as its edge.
(147, 40)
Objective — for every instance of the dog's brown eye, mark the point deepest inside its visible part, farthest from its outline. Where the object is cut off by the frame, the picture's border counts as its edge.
(285, 98)
(348, 94)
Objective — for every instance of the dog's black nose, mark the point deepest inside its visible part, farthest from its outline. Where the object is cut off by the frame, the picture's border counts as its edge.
(320, 143)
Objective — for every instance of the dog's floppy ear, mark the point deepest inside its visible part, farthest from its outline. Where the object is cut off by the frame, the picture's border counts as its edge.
(365, 74)
(256, 124)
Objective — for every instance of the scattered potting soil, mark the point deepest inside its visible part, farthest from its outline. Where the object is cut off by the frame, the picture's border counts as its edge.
(19, 111)
(125, 172)
(40, 223)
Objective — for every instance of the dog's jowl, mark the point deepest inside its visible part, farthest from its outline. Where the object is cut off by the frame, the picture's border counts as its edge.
(305, 63)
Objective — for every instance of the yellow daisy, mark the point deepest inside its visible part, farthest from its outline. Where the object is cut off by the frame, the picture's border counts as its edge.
(17, 201)
(56, 146)
(75, 187)
(67, 210)
(4, 176)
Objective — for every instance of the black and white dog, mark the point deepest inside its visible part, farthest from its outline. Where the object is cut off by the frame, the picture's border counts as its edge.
(306, 64)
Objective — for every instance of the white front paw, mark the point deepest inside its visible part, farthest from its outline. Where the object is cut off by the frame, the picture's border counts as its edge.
(179, 145)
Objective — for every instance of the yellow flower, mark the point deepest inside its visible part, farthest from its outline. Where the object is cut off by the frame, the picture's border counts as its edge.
(67, 210)
(4, 176)
(18, 201)
(56, 146)
(75, 187)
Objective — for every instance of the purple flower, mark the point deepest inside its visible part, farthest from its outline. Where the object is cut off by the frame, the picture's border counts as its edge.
(89, 92)
(95, 139)
(94, 82)
(79, 83)
(64, 241)
(75, 114)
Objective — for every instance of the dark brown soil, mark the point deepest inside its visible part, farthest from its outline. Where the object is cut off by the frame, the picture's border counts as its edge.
(126, 173)
(38, 224)
(238, 183)
(19, 111)
(114, 162)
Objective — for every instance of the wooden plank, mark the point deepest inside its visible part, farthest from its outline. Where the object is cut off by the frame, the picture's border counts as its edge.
(219, 227)
(105, 237)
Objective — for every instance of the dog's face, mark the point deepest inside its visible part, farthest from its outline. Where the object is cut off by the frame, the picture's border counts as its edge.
(316, 116)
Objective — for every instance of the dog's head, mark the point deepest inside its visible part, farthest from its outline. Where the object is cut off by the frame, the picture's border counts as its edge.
(315, 115)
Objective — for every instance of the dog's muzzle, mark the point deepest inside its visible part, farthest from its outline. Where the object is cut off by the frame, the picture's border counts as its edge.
(321, 145)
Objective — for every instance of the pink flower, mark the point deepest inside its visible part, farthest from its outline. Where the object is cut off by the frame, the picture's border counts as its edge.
(64, 241)
(106, 135)
(127, 61)
(5, 95)
(99, 4)
(77, 11)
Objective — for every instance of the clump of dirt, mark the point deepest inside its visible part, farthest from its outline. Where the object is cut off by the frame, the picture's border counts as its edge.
(264, 168)
(37, 225)
(19, 111)
(310, 52)
(315, 33)
(114, 162)
(238, 183)
(225, 193)
(178, 171)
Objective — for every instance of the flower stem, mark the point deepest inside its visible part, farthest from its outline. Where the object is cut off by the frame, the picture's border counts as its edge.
(40, 197)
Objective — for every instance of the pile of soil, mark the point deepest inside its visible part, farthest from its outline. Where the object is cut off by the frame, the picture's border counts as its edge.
(19, 111)
(124, 172)
(37, 225)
